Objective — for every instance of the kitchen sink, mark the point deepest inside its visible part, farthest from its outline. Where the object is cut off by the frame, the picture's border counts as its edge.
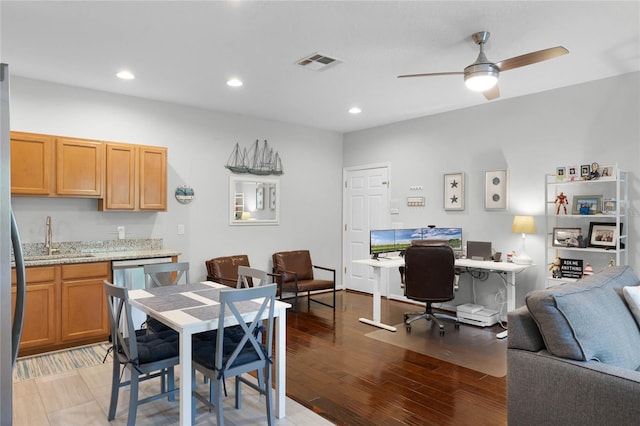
(57, 256)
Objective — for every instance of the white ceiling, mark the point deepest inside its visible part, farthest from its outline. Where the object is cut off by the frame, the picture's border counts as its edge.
(183, 52)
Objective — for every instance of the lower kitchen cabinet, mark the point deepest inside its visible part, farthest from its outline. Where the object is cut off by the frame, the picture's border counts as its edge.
(40, 319)
(83, 301)
(65, 306)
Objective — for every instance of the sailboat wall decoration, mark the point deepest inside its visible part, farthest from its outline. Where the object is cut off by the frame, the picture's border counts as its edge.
(260, 159)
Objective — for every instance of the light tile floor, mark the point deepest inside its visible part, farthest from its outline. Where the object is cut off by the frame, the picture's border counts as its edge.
(81, 397)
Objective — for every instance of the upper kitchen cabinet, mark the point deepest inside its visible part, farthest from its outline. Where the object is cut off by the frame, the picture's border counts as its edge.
(136, 178)
(31, 164)
(79, 167)
(50, 166)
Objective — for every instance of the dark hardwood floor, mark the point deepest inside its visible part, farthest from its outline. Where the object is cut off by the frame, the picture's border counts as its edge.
(351, 379)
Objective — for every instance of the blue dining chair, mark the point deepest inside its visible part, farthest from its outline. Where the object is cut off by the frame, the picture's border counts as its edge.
(146, 356)
(160, 275)
(239, 348)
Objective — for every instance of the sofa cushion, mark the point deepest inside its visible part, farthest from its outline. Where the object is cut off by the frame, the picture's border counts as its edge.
(632, 296)
(588, 319)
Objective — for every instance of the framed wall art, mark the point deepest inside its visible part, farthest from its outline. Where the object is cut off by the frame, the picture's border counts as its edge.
(272, 197)
(496, 190)
(454, 191)
(260, 198)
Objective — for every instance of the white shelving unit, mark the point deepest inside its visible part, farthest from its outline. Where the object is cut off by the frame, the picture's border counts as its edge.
(614, 187)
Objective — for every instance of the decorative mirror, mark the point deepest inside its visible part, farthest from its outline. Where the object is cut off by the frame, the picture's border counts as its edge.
(254, 200)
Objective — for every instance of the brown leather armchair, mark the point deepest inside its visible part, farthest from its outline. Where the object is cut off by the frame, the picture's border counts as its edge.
(429, 277)
(296, 275)
(224, 270)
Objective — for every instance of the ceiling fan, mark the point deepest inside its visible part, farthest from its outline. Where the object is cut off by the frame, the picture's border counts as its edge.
(482, 75)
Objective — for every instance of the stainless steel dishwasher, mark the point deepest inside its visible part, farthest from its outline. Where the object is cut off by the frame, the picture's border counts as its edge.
(130, 273)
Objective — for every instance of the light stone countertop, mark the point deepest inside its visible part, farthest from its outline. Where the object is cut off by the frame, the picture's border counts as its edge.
(94, 251)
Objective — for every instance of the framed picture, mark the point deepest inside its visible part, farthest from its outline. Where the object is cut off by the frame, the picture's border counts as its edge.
(260, 198)
(609, 206)
(272, 197)
(561, 173)
(607, 172)
(603, 234)
(572, 173)
(587, 204)
(495, 190)
(454, 191)
(567, 237)
(585, 171)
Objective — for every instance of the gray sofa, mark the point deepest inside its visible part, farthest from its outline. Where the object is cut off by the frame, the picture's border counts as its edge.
(573, 354)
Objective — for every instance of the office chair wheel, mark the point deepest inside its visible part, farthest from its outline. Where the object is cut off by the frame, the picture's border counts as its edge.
(442, 331)
(406, 317)
(457, 326)
(408, 327)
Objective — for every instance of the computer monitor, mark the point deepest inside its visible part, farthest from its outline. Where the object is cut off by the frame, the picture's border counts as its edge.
(404, 237)
(452, 235)
(381, 241)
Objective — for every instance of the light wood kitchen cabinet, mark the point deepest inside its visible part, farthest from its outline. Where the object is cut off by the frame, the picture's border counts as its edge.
(83, 301)
(40, 319)
(120, 177)
(136, 178)
(31, 164)
(153, 178)
(79, 167)
(65, 306)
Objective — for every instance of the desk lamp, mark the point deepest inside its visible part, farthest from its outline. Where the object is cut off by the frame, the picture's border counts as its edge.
(523, 225)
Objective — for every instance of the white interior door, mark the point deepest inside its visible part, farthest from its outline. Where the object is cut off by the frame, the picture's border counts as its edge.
(366, 206)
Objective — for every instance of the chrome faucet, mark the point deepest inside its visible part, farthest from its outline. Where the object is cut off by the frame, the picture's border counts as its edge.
(48, 237)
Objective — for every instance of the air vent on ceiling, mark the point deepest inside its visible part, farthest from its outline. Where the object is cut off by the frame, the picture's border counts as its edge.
(318, 62)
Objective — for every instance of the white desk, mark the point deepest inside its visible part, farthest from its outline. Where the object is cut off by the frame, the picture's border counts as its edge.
(394, 262)
(159, 305)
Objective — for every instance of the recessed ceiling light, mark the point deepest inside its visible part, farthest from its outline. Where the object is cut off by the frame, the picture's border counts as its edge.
(354, 110)
(125, 75)
(234, 82)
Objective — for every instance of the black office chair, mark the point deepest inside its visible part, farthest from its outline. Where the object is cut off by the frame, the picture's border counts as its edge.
(238, 349)
(146, 356)
(429, 278)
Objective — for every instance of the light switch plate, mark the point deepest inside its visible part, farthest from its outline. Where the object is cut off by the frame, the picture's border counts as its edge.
(180, 229)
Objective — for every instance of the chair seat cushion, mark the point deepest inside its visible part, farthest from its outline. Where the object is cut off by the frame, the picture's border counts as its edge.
(156, 347)
(155, 326)
(204, 349)
(309, 285)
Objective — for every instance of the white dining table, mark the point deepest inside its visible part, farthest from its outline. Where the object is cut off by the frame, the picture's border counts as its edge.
(191, 309)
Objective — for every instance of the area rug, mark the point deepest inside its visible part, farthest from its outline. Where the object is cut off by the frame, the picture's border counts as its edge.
(471, 347)
(35, 366)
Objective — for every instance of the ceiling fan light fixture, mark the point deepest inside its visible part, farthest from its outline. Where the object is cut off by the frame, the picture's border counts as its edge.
(481, 77)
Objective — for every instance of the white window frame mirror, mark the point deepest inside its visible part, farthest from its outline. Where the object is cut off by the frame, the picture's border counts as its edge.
(254, 200)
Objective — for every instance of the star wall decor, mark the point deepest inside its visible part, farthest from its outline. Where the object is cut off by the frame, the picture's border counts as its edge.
(454, 191)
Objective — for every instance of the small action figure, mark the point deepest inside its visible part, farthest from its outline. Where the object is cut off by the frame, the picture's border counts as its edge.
(561, 201)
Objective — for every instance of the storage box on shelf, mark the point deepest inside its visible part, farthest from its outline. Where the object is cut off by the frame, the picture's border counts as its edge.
(612, 189)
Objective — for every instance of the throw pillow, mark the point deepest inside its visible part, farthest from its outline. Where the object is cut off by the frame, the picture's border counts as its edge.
(589, 320)
(632, 296)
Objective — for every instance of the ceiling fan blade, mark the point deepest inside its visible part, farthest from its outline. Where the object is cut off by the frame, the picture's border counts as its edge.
(531, 58)
(431, 74)
(493, 93)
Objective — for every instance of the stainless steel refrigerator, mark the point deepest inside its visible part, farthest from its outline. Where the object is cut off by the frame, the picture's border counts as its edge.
(10, 325)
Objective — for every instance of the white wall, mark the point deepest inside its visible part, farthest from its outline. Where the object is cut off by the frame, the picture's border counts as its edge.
(199, 143)
(529, 136)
